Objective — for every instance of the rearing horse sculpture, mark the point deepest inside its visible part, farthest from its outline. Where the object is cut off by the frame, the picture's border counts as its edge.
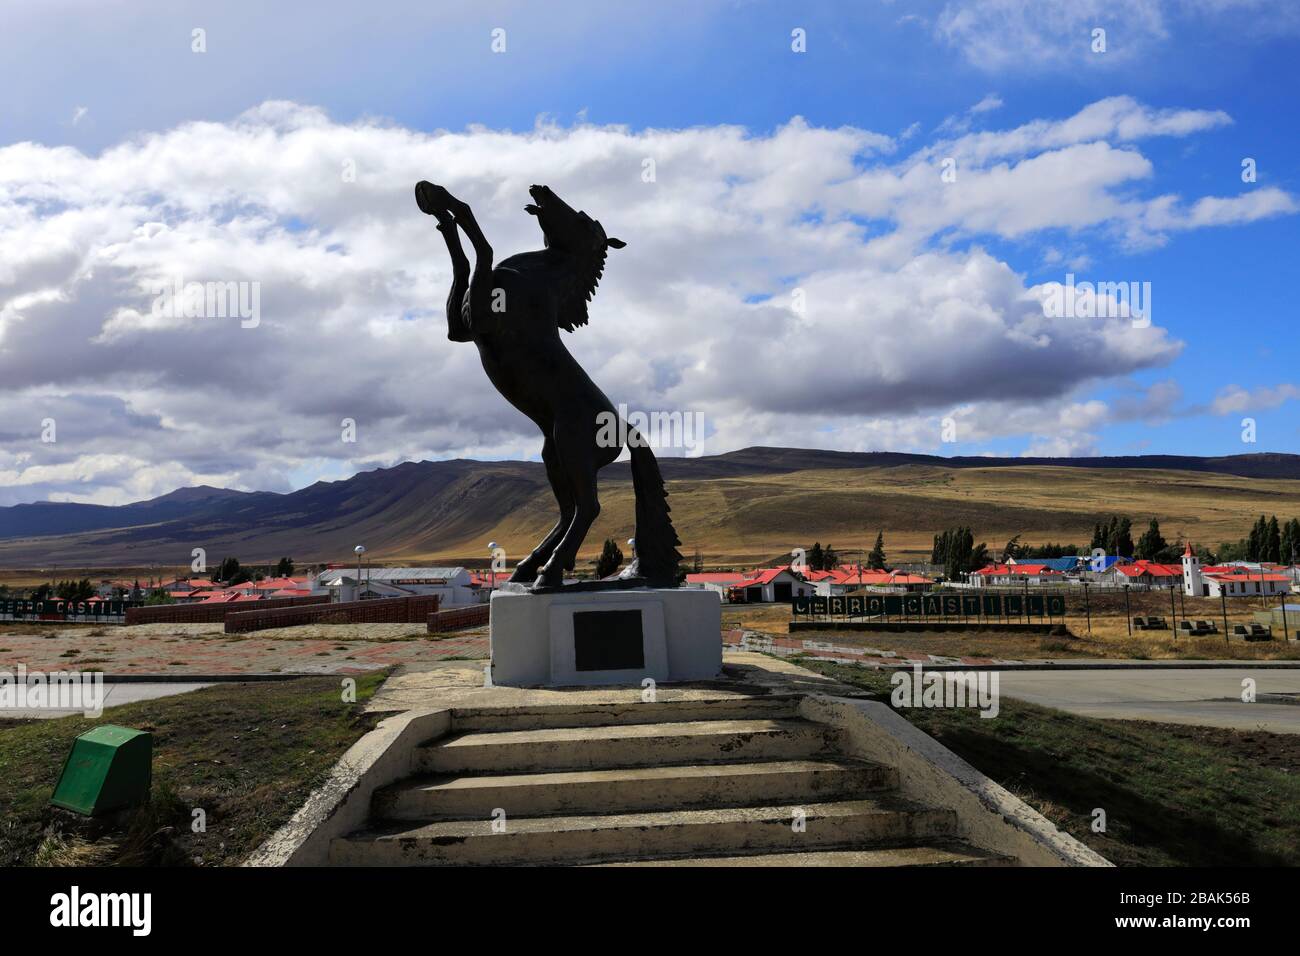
(514, 312)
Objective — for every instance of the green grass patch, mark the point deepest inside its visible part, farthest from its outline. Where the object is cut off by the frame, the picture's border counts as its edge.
(246, 754)
(1173, 795)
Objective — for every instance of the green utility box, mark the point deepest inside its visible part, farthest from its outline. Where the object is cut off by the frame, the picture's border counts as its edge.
(109, 768)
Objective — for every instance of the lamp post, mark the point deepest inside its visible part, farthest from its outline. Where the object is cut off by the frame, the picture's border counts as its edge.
(360, 551)
(492, 566)
(1223, 600)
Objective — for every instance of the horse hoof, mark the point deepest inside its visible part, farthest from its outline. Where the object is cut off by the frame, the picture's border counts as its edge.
(547, 580)
(432, 199)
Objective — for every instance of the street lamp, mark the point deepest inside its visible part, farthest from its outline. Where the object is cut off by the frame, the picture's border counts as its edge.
(360, 551)
(492, 565)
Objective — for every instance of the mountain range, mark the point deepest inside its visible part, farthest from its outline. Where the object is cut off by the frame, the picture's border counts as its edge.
(735, 506)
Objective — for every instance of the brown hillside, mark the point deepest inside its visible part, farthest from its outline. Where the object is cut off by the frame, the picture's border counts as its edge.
(734, 512)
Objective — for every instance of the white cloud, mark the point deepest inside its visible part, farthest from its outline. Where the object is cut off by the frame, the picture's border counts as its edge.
(1235, 398)
(1025, 35)
(693, 315)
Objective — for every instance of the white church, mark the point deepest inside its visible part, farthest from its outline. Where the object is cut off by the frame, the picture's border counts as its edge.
(1230, 580)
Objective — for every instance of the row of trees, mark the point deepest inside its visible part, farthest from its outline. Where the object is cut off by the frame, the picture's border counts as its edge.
(1113, 537)
(1269, 540)
(826, 558)
(957, 551)
(822, 559)
(65, 591)
(231, 572)
(1049, 550)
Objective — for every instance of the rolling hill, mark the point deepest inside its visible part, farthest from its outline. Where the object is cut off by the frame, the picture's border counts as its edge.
(739, 507)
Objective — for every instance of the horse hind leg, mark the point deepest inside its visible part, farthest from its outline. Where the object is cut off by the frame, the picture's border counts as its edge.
(578, 462)
(526, 571)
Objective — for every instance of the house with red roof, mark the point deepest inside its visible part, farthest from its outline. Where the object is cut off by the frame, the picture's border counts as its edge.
(1151, 574)
(849, 579)
(1236, 580)
(720, 582)
(1019, 573)
(770, 584)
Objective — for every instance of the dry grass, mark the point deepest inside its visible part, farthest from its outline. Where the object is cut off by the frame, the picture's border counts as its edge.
(24, 578)
(743, 521)
(60, 849)
(749, 520)
(248, 755)
(1174, 796)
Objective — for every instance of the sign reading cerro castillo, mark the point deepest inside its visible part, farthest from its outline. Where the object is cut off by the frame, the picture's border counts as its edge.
(974, 606)
(57, 609)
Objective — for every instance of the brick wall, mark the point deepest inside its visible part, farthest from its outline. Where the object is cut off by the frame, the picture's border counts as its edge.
(210, 613)
(455, 618)
(403, 610)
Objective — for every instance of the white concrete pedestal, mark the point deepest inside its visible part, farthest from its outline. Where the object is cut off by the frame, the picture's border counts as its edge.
(570, 638)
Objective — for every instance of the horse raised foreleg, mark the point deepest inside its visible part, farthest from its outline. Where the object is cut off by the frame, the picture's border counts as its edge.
(526, 570)
(457, 330)
(480, 283)
(433, 201)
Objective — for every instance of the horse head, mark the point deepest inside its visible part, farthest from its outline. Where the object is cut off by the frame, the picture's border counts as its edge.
(567, 230)
(581, 242)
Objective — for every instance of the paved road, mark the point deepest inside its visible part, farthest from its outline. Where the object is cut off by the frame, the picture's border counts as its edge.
(114, 696)
(1171, 695)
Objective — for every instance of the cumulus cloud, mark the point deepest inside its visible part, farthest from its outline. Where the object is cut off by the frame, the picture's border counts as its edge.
(798, 286)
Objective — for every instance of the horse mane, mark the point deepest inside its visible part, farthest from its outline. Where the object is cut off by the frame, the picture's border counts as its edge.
(587, 266)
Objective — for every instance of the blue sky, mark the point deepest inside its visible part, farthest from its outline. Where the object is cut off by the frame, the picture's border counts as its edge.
(109, 80)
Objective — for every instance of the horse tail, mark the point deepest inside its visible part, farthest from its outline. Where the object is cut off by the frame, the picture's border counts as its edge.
(657, 557)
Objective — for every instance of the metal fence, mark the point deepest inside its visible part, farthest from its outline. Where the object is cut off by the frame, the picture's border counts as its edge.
(205, 613)
(401, 610)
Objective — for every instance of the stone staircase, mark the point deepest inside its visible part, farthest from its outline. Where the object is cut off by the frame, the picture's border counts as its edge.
(697, 782)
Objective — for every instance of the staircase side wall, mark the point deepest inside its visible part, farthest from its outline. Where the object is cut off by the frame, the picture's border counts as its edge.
(342, 804)
(989, 816)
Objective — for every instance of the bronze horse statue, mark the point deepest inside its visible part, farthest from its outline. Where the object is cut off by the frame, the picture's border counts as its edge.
(514, 312)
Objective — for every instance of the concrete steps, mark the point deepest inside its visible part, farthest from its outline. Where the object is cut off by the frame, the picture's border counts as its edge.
(937, 854)
(773, 707)
(632, 788)
(626, 745)
(591, 838)
(726, 781)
